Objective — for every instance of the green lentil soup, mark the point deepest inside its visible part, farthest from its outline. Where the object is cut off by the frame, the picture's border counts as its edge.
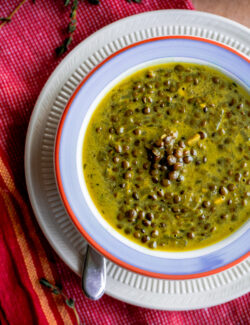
(166, 156)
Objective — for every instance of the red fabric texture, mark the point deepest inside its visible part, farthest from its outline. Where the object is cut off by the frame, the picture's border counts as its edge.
(27, 58)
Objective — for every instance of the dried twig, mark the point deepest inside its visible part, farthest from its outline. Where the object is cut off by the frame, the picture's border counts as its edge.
(57, 290)
(6, 20)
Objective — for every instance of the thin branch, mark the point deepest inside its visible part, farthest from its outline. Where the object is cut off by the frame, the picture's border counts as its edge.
(57, 290)
(8, 19)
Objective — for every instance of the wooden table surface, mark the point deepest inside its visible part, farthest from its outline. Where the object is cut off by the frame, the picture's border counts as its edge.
(238, 10)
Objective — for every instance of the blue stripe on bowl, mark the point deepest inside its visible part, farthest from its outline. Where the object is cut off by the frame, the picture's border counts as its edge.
(154, 50)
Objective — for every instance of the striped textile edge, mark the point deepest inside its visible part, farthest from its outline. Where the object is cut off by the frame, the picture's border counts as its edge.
(21, 249)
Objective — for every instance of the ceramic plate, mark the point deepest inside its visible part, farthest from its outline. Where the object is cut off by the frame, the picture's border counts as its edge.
(45, 199)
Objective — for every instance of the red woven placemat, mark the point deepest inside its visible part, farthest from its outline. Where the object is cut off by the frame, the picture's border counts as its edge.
(27, 59)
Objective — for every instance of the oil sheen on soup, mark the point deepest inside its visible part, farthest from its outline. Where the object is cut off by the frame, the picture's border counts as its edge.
(166, 156)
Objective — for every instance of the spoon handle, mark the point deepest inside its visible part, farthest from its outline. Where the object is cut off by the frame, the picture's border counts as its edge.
(94, 274)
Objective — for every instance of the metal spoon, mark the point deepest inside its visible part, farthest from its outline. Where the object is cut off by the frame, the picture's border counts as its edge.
(93, 274)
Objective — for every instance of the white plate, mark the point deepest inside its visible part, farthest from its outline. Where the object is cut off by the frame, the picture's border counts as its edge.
(39, 165)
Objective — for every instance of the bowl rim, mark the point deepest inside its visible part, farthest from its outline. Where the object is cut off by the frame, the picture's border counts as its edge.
(67, 206)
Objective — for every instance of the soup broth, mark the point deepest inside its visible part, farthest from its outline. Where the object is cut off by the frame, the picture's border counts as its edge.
(166, 156)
